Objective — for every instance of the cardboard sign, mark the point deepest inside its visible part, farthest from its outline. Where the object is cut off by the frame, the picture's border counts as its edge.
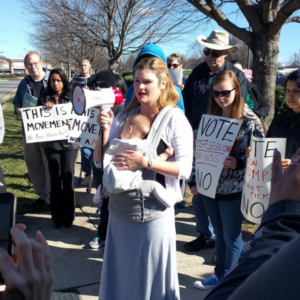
(215, 138)
(257, 180)
(29, 101)
(79, 81)
(85, 129)
(176, 75)
(42, 124)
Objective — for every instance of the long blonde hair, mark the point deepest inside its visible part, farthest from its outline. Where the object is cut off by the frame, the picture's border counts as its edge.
(169, 95)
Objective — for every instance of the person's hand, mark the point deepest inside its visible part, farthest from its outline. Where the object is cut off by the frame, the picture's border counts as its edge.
(86, 87)
(105, 118)
(193, 190)
(284, 186)
(49, 105)
(180, 85)
(31, 278)
(131, 161)
(285, 163)
(248, 150)
(230, 162)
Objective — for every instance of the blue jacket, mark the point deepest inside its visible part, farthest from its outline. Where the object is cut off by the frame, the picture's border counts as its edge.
(24, 87)
(154, 50)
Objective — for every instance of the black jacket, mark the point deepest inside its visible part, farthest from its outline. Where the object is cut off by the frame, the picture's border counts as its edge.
(261, 106)
(57, 145)
(280, 226)
(188, 91)
(287, 125)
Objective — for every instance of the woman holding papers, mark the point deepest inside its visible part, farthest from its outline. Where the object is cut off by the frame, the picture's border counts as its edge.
(224, 210)
(287, 124)
(61, 156)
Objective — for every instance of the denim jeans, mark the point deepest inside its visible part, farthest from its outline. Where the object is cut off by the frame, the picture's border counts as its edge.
(203, 224)
(86, 157)
(226, 218)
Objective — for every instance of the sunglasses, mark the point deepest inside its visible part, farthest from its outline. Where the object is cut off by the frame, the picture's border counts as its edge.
(216, 94)
(214, 53)
(175, 66)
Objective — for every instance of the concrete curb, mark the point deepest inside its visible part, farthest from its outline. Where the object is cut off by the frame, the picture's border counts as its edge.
(6, 98)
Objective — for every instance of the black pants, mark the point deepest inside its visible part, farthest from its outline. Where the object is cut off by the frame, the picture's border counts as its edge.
(104, 214)
(62, 197)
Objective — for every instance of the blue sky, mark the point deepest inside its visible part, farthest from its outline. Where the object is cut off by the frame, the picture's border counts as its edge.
(15, 30)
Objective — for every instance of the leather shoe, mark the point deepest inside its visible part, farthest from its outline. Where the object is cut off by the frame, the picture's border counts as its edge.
(211, 243)
(195, 245)
(57, 225)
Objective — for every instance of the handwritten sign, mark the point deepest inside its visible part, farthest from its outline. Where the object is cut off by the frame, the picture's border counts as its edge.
(29, 101)
(215, 138)
(257, 180)
(85, 129)
(42, 124)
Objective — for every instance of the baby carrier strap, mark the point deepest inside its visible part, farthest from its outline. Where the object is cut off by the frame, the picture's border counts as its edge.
(159, 124)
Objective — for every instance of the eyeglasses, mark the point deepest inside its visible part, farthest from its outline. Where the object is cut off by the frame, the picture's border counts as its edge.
(214, 53)
(33, 65)
(216, 94)
(175, 66)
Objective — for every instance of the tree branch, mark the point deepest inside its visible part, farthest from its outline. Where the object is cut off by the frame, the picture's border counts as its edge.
(292, 19)
(283, 14)
(213, 12)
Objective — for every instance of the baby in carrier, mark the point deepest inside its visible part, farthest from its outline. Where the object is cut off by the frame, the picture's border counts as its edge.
(131, 138)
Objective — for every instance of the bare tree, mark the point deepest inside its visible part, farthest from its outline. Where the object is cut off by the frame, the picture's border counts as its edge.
(117, 26)
(266, 18)
(295, 60)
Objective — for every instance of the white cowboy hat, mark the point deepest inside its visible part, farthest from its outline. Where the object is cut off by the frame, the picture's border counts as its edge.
(218, 40)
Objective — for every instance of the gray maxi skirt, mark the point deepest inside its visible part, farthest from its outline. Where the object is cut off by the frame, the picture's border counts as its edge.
(140, 260)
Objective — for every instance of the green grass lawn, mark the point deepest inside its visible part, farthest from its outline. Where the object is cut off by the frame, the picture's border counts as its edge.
(12, 160)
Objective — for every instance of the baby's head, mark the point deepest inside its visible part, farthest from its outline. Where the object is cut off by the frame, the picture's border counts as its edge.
(136, 127)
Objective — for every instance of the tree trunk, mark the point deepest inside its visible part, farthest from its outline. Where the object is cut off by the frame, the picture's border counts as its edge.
(113, 64)
(265, 57)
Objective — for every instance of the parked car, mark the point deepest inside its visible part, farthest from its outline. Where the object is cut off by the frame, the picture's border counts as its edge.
(280, 79)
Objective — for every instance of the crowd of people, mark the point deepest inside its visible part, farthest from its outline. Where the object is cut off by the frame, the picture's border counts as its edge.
(140, 165)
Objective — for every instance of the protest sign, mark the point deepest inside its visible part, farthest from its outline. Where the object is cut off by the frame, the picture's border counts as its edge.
(29, 101)
(257, 180)
(79, 81)
(215, 138)
(176, 75)
(85, 129)
(42, 124)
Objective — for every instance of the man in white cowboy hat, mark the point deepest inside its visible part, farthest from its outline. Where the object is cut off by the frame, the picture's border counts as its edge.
(196, 97)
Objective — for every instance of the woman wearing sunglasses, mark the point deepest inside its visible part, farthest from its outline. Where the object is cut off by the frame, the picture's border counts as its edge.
(224, 210)
(175, 62)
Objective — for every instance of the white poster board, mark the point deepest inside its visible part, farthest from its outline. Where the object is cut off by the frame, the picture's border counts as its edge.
(215, 138)
(42, 124)
(176, 75)
(85, 129)
(257, 180)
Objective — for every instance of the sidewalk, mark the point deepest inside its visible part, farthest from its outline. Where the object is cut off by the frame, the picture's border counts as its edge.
(77, 268)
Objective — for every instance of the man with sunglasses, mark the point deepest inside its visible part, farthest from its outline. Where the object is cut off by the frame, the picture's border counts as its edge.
(196, 95)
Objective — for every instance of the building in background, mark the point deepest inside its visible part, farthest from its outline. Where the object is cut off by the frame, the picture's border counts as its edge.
(15, 65)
